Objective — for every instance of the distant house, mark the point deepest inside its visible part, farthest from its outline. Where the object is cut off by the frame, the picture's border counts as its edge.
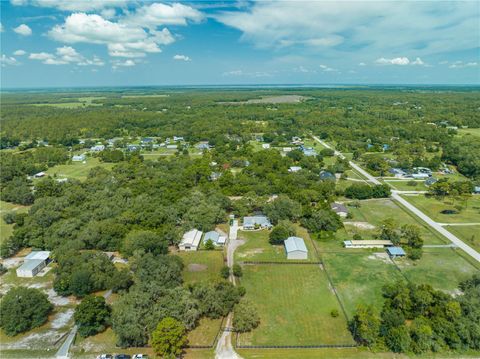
(97, 148)
(397, 172)
(294, 169)
(419, 175)
(374, 243)
(396, 252)
(327, 176)
(202, 146)
(385, 147)
(190, 240)
(133, 148)
(287, 149)
(309, 152)
(172, 147)
(295, 248)
(34, 263)
(265, 146)
(79, 158)
(146, 140)
(430, 181)
(476, 189)
(339, 209)
(178, 139)
(215, 237)
(297, 141)
(215, 176)
(39, 175)
(250, 223)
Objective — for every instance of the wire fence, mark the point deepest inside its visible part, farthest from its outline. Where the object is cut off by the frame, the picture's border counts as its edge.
(278, 262)
(214, 343)
(316, 346)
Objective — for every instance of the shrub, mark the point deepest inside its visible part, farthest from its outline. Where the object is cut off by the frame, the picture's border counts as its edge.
(245, 316)
(92, 315)
(237, 270)
(225, 272)
(334, 313)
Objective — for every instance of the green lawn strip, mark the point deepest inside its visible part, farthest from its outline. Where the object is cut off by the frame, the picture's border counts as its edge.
(376, 211)
(360, 276)
(432, 208)
(257, 247)
(404, 186)
(442, 268)
(205, 332)
(474, 132)
(469, 234)
(26, 353)
(201, 265)
(7, 229)
(199, 354)
(294, 303)
(77, 170)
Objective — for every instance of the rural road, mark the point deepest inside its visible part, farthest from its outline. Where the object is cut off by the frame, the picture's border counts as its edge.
(224, 348)
(396, 196)
(62, 352)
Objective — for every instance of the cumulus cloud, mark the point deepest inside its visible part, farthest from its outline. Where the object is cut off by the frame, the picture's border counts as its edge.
(181, 58)
(233, 73)
(19, 53)
(23, 30)
(6, 61)
(72, 5)
(65, 55)
(363, 28)
(362, 64)
(325, 68)
(400, 61)
(461, 65)
(157, 14)
(126, 63)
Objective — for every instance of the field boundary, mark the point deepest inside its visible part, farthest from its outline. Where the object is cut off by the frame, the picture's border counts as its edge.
(316, 346)
(214, 343)
(279, 262)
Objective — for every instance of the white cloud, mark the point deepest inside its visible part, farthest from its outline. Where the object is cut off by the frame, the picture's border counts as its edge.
(122, 39)
(6, 60)
(358, 27)
(181, 58)
(362, 64)
(23, 30)
(1, 27)
(19, 53)
(461, 65)
(72, 5)
(401, 61)
(126, 63)
(157, 14)
(233, 73)
(65, 55)
(325, 68)
(418, 61)
(301, 69)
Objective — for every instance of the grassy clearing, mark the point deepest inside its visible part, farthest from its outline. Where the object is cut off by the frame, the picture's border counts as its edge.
(257, 247)
(201, 265)
(294, 303)
(432, 208)
(376, 211)
(443, 269)
(359, 277)
(77, 170)
(404, 185)
(468, 234)
(205, 332)
(199, 354)
(7, 229)
(330, 353)
(474, 132)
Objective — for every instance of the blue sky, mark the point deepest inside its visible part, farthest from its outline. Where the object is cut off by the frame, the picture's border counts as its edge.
(70, 43)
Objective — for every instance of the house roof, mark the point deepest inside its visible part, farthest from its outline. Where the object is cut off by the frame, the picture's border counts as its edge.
(369, 242)
(192, 238)
(252, 221)
(338, 207)
(295, 244)
(31, 264)
(42, 255)
(326, 175)
(211, 235)
(396, 251)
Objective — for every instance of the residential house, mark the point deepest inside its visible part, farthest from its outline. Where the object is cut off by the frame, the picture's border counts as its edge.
(190, 240)
(178, 139)
(373, 243)
(396, 252)
(97, 148)
(339, 209)
(265, 146)
(79, 158)
(327, 176)
(215, 237)
(34, 263)
(309, 152)
(203, 146)
(430, 181)
(295, 248)
(39, 175)
(294, 169)
(256, 222)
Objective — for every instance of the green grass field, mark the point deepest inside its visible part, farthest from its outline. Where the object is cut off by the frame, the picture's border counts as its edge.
(7, 229)
(205, 332)
(404, 185)
(442, 268)
(77, 170)
(468, 234)
(475, 132)
(376, 211)
(294, 303)
(432, 208)
(359, 277)
(257, 247)
(201, 265)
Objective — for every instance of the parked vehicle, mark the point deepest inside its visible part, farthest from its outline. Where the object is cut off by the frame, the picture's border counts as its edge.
(105, 356)
(123, 356)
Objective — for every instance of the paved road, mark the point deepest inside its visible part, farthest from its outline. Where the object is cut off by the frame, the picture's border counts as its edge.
(460, 224)
(396, 196)
(62, 352)
(224, 348)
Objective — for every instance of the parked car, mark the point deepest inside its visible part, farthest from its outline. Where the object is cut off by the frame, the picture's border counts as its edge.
(123, 356)
(105, 356)
(140, 356)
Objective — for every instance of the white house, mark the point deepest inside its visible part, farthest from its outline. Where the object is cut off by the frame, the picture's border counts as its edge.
(294, 169)
(34, 263)
(374, 243)
(339, 209)
(190, 240)
(97, 148)
(39, 174)
(295, 248)
(178, 139)
(215, 237)
(172, 147)
(265, 146)
(250, 223)
(78, 158)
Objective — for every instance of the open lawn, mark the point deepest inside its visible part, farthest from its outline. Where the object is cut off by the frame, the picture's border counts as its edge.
(405, 185)
(257, 247)
(360, 276)
(205, 332)
(474, 132)
(294, 303)
(201, 265)
(7, 229)
(432, 208)
(374, 212)
(77, 170)
(468, 234)
(442, 268)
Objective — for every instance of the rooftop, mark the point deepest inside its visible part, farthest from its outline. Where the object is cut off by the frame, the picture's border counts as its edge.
(192, 237)
(396, 251)
(31, 264)
(42, 255)
(295, 244)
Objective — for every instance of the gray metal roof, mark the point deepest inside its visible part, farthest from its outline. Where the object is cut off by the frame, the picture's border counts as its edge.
(260, 220)
(396, 251)
(338, 207)
(31, 264)
(43, 255)
(295, 244)
(211, 235)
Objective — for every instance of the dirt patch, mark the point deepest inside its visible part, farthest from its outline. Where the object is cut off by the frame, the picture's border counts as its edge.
(12, 262)
(57, 299)
(251, 252)
(61, 319)
(380, 256)
(194, 267)
(361, 225)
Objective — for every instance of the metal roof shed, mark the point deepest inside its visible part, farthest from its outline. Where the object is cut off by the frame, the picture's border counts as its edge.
(396, 252)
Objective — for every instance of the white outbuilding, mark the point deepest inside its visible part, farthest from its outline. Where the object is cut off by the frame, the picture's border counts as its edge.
(295, 248)
(34, 263)
(190, 240)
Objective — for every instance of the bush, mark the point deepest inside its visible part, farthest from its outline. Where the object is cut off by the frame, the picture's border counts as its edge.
(280, 232)
(245, 316)
(169, 338)
(209, 246)
(22, 309)
(225, 272)
(92, 315)
(334, 313)
(237, 270)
